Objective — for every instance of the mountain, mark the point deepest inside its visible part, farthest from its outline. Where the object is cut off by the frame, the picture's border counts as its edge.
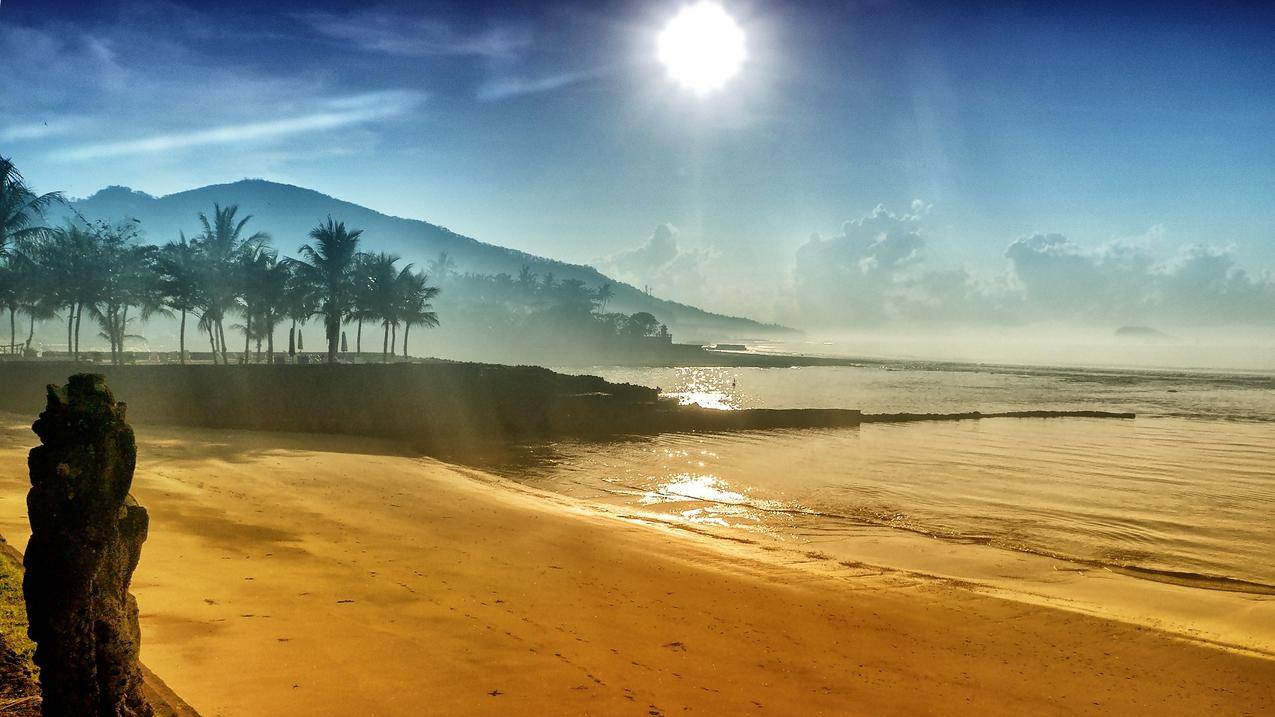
(288, 213)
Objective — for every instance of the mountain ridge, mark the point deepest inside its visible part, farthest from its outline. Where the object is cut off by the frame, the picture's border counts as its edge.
(289, 211)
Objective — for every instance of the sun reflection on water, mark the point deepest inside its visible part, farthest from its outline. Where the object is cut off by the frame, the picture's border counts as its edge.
(711, 501)
(709, 387)
(693, 487)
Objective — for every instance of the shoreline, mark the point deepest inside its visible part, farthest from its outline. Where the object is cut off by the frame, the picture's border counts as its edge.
(329, 574)
(443, 409)
(709, 358)
(1187, 611)
(1208, 612)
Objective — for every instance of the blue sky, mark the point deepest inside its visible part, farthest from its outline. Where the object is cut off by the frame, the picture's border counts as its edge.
(551, 127)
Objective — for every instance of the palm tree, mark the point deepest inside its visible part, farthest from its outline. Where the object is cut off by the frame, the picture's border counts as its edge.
(605, 294)
(327, 265)
(37, 290)
(130, 282)
(21, 215)
(573, 297)
(363, 298)
(300, 302)
(179, 270)
(221, 243)
(269, 293)
(21, 210)
(11, 299)
(442, 266)
(38, 312)
(254, 273)
(40, 290)
(526, 277)
(380, 296)
(70, 260)
(414, 309)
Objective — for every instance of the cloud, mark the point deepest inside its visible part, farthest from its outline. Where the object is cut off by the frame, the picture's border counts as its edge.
(507, 87)
(395, 33)
(854, 278)
(1061, 280)
(875, 273)
(661, 264)
(341, 112)
(1125, 283)
(501, 48)
(139, 83)
(38, 130)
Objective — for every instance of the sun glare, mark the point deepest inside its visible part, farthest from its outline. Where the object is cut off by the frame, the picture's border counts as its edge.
(702, 47)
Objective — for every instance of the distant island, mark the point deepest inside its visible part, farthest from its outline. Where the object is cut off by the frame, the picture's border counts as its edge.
(1144, 333)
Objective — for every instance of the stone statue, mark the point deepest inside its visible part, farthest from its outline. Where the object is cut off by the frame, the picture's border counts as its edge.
(86, 539)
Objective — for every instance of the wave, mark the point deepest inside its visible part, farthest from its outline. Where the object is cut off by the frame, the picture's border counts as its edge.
(1199, 580)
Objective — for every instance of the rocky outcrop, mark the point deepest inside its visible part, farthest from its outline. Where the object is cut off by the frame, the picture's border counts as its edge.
(86, 539)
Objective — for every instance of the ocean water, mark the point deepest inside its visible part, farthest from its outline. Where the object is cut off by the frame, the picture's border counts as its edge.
(1185, 492)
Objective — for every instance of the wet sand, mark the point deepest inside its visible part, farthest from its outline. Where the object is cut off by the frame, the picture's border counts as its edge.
(326, 575)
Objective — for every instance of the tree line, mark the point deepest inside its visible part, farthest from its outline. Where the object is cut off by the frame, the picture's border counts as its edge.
(221, 274)
(567, 307)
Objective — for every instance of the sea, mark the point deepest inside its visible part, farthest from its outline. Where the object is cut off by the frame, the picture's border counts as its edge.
(1183, 493)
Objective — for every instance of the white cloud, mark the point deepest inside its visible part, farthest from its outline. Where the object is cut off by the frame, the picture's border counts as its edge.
(507, 87)
(875, 273)
(38, 130)
(395, 33)
(341, 112)
(663, 265)
(851, 278)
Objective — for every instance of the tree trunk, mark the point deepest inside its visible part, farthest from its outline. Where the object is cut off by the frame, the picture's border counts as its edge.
(212, 343)
(385, 344)
(79, 314)
(407, 329)
(358, 338)
(394, 339)
(334, 335)
(221, 342)
(70, 324)
(181, 343)
(13, 331)
(292, 340)
(111, 333)
(247, 334)
(30, 334)
(121, 333)
(269, 344)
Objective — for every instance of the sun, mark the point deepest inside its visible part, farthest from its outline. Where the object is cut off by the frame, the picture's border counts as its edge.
(702, 47)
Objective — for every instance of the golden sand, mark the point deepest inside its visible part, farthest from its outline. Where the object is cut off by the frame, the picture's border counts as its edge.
(319, 575)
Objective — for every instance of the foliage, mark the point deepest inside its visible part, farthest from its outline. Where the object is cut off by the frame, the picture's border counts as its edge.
(226, 271)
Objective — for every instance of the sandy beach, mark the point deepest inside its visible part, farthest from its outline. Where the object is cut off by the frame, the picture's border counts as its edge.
(310, 574)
